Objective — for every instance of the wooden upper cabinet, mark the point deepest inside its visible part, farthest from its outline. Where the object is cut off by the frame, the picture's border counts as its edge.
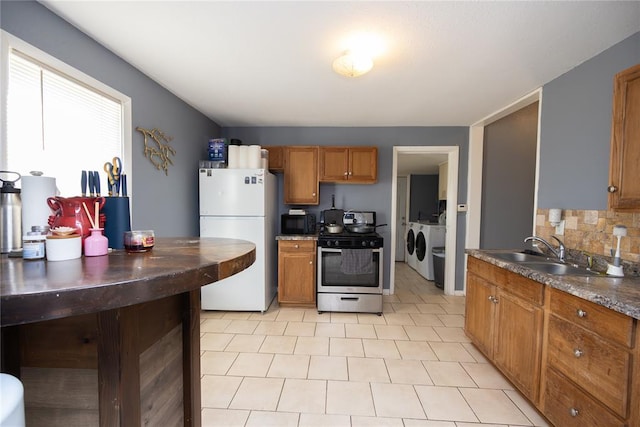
(352, 165)
(276, 157)
(301, 175)
(624, 175)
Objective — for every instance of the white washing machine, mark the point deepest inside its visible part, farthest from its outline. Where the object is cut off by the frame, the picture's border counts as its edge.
(410, 248)
(427, 237)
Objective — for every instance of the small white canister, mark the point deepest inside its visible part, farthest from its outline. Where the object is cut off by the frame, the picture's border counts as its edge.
(62, 248)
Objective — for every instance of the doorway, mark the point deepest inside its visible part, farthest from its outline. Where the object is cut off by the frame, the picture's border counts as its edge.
(451, 153)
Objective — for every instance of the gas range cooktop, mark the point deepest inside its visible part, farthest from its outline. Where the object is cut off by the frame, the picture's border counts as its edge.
(349, 240)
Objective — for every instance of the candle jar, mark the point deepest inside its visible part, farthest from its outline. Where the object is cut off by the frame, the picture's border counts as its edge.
(96, 244)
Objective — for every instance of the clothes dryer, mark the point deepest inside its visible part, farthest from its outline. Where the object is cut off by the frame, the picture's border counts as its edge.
(410, 248)
(427, 237)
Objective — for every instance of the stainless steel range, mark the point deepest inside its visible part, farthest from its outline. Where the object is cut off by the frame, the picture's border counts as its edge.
(350, 272)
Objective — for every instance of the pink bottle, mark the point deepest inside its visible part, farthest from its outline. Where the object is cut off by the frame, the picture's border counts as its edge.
(96, 244)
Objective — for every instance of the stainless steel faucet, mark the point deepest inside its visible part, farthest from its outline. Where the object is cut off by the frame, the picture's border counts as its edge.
(559, 253)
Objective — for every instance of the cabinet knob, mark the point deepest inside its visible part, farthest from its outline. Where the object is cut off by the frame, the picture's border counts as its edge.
(612, 189)
(346, 173)
(350, 173)
(581, 313)
(313, 194)
(574, 412)
(493, 299)
(578, 353)
(296, 246)
(311, 262)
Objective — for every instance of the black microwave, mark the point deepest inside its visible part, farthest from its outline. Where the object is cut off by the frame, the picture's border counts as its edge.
(298, 224)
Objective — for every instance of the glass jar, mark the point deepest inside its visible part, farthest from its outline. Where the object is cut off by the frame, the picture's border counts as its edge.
(33, 246)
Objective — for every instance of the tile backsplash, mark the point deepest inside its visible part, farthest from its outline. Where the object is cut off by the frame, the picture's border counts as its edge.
(592, 231)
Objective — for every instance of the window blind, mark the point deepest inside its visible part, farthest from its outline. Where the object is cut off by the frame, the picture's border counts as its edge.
(58, 125)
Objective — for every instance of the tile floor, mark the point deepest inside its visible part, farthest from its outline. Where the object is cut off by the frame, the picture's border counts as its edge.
(413, 366)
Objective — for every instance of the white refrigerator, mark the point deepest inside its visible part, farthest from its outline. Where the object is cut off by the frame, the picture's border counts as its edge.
(241, 204)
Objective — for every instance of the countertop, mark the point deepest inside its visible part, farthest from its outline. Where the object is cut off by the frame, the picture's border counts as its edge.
(297, 237)
(621, 294)
(39, 290)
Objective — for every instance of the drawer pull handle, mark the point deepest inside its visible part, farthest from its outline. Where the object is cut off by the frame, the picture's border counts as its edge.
(574, 412)
(349, 298)
(581, 313)
(578, 353)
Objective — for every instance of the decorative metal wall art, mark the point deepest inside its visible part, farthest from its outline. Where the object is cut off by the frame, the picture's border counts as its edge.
(157, 148)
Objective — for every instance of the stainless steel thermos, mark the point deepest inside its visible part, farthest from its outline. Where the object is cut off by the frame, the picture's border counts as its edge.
(10, 215)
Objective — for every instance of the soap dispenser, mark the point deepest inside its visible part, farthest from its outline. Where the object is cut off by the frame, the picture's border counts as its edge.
(615, 269)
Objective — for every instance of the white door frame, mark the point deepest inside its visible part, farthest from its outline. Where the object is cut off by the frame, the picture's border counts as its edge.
(453, 154)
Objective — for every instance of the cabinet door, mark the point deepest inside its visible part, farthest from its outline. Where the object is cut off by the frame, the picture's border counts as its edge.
(624, 177)
(518, 342)
(363, 164)
(334, 164)
(479, 313)
(296, 275)
(301, 175)
(276, 158)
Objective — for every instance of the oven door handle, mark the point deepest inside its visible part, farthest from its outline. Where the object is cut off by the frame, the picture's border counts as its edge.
(322, 249)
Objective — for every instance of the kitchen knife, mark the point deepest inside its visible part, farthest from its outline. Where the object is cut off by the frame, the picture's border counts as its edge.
(123, 177)
(83, 183)
(96, 182)
(90, 179)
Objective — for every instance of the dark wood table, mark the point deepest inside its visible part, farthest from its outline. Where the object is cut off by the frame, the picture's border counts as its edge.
(112, 340)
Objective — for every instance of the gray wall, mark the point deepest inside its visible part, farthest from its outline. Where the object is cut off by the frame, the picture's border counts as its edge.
(424, 198)
(376, 197)
(508, 179)
(576, 130)
(166, 204)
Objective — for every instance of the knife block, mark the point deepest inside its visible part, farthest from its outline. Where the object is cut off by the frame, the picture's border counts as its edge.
(117, 221)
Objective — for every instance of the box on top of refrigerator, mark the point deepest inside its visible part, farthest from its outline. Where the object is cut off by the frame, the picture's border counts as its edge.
(218, 150)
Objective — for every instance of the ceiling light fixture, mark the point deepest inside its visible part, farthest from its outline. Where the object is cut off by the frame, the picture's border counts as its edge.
(352, 64)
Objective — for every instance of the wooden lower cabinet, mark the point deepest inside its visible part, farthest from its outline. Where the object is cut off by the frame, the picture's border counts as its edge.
(576, 361)
(589, 353)
(297, 273)
(480, 313)
(567, 405)
(506, 327)
(518, 342)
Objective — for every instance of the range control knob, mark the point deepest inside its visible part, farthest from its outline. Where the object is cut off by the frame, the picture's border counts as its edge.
(372, 243)
(364, 243)
(335, 243)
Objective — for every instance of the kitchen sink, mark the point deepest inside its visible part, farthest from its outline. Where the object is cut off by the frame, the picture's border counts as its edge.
(559, 269)
(518, 257)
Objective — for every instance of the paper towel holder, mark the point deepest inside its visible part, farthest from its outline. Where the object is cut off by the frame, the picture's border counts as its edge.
(555, 219)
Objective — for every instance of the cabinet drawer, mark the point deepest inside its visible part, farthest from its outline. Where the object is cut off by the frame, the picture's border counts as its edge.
(609, 324)
(297, 245)
(487, 271)
(591, 362)
(566, 405)
(525, 288)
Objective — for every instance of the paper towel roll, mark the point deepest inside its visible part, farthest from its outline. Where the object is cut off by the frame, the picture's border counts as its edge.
(254, 156)
(243, 162)
(34, 194)
(233, 156)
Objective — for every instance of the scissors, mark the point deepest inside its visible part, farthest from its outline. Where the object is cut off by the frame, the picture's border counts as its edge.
(113, 171)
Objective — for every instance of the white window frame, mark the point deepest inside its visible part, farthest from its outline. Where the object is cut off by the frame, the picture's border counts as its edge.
(10, 42)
